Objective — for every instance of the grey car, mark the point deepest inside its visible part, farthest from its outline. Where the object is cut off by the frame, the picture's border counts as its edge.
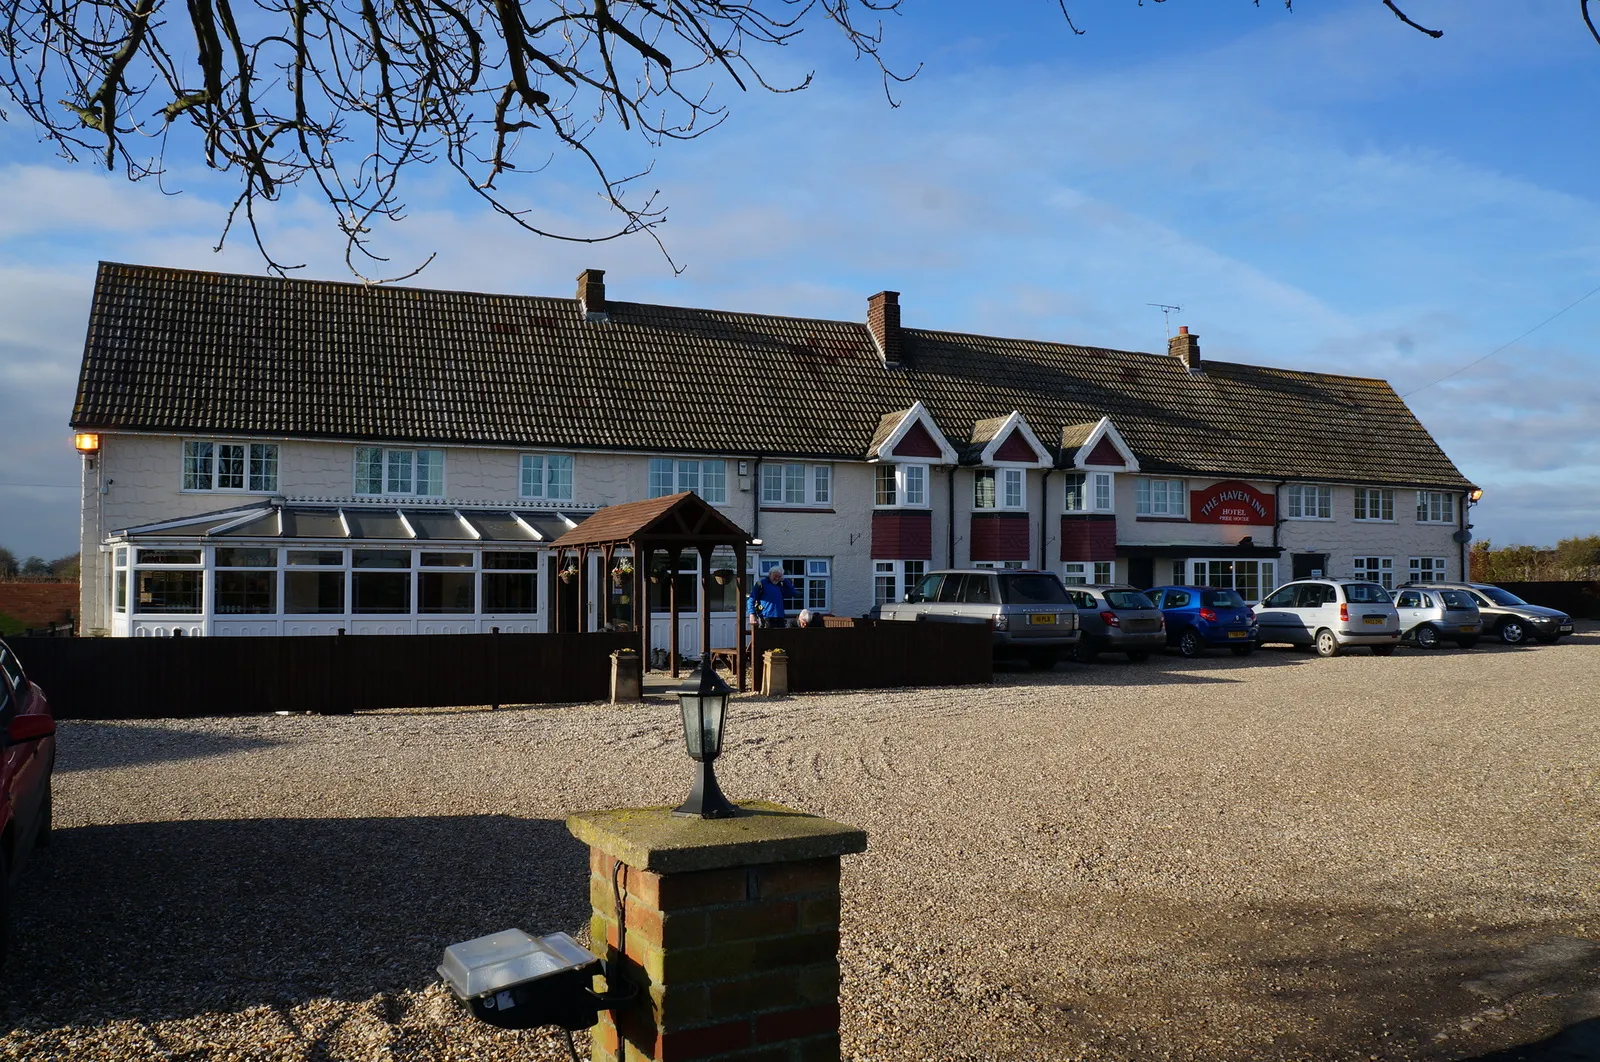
(1117, 619)
(1509, 618)
(1028, 610)
(1431, 615)
(1330, 615)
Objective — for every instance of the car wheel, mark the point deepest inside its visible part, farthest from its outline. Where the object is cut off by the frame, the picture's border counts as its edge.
(1427, 638)
(42, 838)
(1139, 656)
(1190, 644)
(1468, 643)
(1512, 632)
(1383, 650)
(1084, 652)
(1243, 650)
(1043, 659)
(1326, 644)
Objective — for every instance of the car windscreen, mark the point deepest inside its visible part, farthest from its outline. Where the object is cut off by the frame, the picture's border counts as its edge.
(1221, 599)
(1499, 596)
(1032, 589)
(1456, 599)
(1366, 594)
(1128, 599)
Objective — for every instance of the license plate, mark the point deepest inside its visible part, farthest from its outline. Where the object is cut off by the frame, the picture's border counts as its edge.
(1377, 620)
(1467, 628)
(1238, 634)
(1566, 628)
(1045, 617)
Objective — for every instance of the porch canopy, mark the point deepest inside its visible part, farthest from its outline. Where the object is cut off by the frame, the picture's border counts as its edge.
(675, 524)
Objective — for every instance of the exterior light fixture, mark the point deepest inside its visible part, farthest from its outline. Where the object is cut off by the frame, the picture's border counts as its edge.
(704, 713)
(86, 442)
(515, 980)
(1475, 495)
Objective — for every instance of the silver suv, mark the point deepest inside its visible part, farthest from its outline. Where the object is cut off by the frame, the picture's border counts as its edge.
(1431, 614)
(1330, 614)
(1509, 618)
(1028, 610)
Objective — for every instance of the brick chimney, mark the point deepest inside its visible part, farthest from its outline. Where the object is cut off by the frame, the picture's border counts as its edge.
(592, 295)
(883, 321)
(1187, 348)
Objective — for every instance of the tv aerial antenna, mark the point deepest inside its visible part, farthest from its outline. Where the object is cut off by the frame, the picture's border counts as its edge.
(1166, 313)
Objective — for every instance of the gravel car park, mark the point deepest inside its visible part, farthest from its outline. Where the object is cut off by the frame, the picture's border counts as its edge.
(1207, 859)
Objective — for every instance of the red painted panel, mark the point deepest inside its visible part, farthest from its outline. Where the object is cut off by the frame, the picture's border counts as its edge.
(1105, 453)
(1088, 538)
(999, 536)
(916, 443)
(1017, 448)
(903, 535)
(1232, 502)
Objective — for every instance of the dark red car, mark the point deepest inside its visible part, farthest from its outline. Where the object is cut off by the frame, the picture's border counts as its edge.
(28, 732)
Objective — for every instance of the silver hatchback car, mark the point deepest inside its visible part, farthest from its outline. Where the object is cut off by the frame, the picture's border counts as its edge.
(1329, 615)
(1430, 616)
(1028, 610)
(1117, 619)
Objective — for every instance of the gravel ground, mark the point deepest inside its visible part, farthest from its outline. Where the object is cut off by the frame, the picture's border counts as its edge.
(1279, 858)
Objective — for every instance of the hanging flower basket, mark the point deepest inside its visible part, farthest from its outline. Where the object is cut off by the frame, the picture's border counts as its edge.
(621, 572)
(723, 576)
(566, 574)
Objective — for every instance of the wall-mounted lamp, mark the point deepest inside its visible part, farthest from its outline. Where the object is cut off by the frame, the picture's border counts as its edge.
(1475, 495)
(86, 442)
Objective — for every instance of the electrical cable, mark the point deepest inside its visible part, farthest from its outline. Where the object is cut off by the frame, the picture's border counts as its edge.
(1514, 342)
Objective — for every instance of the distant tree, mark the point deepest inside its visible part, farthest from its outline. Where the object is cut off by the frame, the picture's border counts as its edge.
(35, 566)
(346, 94)
(67, 567)
(8, 564)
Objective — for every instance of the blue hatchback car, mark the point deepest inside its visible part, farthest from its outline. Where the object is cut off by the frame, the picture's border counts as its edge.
(1206, 617)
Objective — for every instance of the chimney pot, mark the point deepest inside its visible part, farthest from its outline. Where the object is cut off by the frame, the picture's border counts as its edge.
(883, 321)
(1186, 348)
(592, 295)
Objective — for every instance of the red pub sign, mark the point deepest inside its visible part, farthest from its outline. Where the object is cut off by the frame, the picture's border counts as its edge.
(1232, 502)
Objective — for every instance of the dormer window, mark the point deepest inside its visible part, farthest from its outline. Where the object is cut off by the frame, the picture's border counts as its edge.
(902, 487)
(1090, 492)
(1000, 488)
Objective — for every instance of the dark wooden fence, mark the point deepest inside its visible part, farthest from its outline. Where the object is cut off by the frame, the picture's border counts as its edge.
(150, 678)
(1573, 598)
(881, 655)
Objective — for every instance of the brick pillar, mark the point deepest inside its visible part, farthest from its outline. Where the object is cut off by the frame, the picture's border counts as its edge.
(732, 932)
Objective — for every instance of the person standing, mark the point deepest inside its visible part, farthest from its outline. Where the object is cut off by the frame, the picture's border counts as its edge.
(767, 599)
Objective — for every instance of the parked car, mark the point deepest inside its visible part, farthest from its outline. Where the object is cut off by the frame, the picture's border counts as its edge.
(1028, 610)
(1509, 618)
(28, 732)
(1431, 614)
(1117, 619)
(1330, 615)
(1206, 617)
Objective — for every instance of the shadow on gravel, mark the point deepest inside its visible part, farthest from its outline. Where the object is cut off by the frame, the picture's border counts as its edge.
(170, 919)
(86, 746)
(1575, 1043)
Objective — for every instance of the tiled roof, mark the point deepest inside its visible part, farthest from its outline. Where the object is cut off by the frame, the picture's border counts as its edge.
(886, 426)
(186, 351)
(683, 516)
(1073, 436)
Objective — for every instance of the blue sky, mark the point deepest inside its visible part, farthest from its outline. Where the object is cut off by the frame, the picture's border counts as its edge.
(1323, 189)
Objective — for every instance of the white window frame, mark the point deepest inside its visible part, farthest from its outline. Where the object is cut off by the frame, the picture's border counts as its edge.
(1366, 498)
(910, 486)
(252, 455)
(1147, 502)
(1000, 564)
(387, 471)
(896, 578)
(1010, 489)
(1435, 572)
(1378, 570)
(1430, 510)
(1096, 492)
(796, 485)
(1083, 573)
(1199, 569)
(694, 474)
(545, 468)
(811, 576)
(1297, 495)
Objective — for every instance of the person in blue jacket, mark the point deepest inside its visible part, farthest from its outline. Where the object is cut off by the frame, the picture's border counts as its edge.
(767, 597)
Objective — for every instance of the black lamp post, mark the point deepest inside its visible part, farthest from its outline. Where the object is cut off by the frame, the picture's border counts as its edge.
(704, 712)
